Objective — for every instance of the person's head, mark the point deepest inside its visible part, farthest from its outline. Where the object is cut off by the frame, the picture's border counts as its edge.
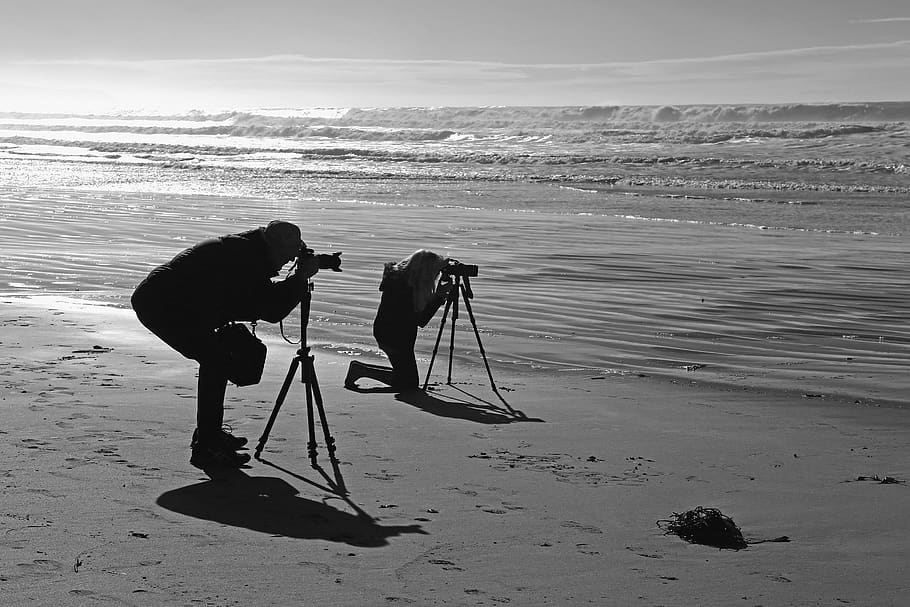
(283, 240)
(421, 266)
(420, 269)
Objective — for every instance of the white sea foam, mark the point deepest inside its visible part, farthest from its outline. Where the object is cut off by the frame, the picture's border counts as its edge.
(703, 158)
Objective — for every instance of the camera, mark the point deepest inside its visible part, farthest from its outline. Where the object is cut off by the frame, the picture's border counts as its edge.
(454, 267)
(325, 261)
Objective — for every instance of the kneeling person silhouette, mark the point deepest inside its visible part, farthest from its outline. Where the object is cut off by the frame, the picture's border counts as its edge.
(410, 299)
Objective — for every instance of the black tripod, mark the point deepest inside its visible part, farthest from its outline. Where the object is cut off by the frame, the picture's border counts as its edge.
(463, 289)
(304, 360)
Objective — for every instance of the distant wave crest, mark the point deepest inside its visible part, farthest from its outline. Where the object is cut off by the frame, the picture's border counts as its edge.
(430, 117)
(457, 156)
(573, 134)
(507, 116)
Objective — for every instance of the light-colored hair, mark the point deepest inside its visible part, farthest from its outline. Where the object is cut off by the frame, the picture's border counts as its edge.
(419, 269)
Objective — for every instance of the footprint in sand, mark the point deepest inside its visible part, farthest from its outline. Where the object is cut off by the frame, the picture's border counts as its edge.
(40, 568)
(74, 462)
(505, 508)
(382, 475)
(580, 527)
(378, 458)
(468, 492)
(640, 552)
(81, 592)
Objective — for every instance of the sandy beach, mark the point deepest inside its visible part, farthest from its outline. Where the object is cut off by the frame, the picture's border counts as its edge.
(451, 500)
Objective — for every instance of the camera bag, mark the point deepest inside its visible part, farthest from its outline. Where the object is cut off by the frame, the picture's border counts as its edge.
(243, 352)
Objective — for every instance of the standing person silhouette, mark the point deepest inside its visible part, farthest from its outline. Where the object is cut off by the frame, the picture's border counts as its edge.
(410, 298)
(206, 286)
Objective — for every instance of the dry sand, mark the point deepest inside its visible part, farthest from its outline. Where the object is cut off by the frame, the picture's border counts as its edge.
(451, 502)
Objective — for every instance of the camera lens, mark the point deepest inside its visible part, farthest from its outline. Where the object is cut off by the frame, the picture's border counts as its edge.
(330, 262)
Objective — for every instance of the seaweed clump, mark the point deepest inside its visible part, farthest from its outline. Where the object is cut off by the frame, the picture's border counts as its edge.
(708, 526)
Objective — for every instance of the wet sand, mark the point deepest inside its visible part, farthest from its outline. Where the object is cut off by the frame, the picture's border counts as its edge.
(814, 315)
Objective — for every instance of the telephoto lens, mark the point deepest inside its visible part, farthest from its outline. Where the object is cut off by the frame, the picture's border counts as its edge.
(323, 260)
(330, 262)
(454, 267)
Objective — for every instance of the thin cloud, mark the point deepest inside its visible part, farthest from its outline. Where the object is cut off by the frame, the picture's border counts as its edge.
(367, 65)
(883, 20)
(780, 54)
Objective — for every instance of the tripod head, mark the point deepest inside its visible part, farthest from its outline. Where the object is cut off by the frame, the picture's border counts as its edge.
(462, 273)
(461, 284)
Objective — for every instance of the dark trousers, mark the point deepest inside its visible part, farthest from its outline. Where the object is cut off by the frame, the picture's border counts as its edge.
(404, 366)
(190, 335)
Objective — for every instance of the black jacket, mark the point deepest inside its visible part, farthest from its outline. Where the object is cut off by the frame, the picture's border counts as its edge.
(219, 280)
(396, 319)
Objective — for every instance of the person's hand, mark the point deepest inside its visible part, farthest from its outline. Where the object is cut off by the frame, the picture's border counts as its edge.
(307, 266)
(443, 289)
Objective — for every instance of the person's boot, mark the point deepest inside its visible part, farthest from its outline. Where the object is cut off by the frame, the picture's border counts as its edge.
(216, 454)
(354, 373)
(230, 441)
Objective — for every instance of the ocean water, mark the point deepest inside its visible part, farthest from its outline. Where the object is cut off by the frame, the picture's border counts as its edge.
(755, 247)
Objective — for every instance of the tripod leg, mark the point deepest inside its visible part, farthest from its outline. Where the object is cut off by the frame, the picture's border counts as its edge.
(455, 290)
(317, 397)
(311, 427)
(282, 394)
(442, 327)
(483, 354)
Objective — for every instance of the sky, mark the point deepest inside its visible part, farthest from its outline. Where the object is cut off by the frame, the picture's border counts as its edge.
(213, 55)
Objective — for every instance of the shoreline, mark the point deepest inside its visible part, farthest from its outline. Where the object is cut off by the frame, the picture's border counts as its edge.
(102, 503)
(846, 403)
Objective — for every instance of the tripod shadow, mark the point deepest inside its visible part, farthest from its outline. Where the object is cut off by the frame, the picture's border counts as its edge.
(474, 409)
(271, 505)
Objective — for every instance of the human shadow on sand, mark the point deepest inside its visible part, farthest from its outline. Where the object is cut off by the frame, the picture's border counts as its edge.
(470, 407)
(473, 408)
(271, 505)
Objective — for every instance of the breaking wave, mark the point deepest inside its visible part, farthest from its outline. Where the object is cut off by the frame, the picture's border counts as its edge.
(620, 124)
